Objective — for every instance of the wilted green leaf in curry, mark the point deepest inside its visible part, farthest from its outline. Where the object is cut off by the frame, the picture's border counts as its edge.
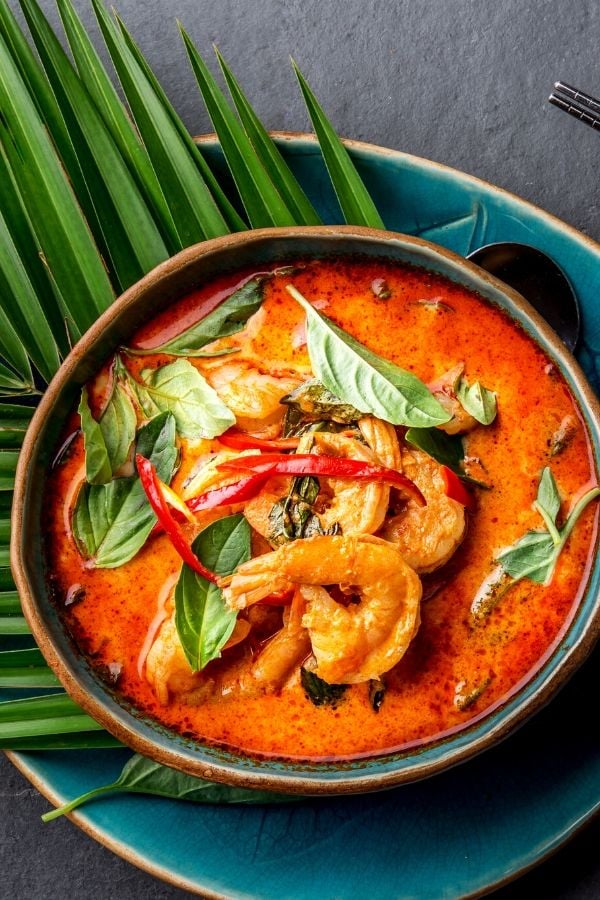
(98, 469)
(204, 623)
(180, 389)
(320, 692)
(316, 403)
(478, 401)
(364, 380)
(144, 776)
(548, 500)
(227, 318)
(111, 522)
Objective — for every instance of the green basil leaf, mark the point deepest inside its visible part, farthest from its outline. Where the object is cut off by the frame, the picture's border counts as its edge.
(366, 381)
(180, 389)
(533, 556)
(144, 776)
(204, 623)
(98, 469)
(107, 441)
(478, 401)
(118, 426)
(548, 497)
(447, 449)
(228, 318)
(111, 522)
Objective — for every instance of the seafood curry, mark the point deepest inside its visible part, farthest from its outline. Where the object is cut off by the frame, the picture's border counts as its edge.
(324, 511)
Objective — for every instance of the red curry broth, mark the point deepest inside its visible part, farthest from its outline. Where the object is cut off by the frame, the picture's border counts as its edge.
(428, 325)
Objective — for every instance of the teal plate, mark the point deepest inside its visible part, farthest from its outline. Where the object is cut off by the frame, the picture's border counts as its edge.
(463, 832)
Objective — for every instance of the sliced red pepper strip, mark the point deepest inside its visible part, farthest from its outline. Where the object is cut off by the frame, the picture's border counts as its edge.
(237, 440)
(329, 466)
(278, 598)
(244, 489)
(455, 488)
(151, 485)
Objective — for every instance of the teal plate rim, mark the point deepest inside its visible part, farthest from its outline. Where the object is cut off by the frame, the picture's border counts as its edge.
(459, 211)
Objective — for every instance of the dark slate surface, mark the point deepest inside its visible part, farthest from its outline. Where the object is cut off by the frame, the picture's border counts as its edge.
(458, 81)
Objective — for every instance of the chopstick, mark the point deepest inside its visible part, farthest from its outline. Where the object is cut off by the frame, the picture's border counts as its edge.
(576, 103)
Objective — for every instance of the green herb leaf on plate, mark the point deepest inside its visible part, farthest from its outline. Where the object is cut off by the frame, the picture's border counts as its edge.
(356, 202)
(478, 401)
(180, 389)
(204, 623)
(111, 522)
(228, 318)
(548, 501)
(364, 380)
(447, 449)
(144, 776)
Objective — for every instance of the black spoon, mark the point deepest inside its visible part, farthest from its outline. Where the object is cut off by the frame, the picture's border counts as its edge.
(539, 279)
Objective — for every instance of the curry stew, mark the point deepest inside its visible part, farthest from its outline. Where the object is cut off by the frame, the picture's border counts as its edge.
(343, 573)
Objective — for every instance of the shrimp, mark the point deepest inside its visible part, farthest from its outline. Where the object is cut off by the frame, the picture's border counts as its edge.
(282, 654)
(252, 396)
(168, 670)
(444, 390)
(426, 536)
(351, 643)
(356, 507)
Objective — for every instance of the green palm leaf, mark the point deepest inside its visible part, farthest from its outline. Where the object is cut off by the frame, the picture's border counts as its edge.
(53, 714)
(9, 604)
(100, 88)
(261, 199)
(19, 302)
(65, 240)
(47, 106)
(29, 251)
(192, 206)
(228, 211)
(356, 203)
(130, 234)
(269, 155)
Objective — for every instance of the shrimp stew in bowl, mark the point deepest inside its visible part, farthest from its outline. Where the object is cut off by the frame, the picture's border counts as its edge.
(327, 509)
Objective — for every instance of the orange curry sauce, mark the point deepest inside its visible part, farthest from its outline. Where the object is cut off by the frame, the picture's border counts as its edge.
(448, 657)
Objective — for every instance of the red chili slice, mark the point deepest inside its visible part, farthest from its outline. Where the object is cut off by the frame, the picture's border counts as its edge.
(455, 488)
(150, 483)
(328, 466)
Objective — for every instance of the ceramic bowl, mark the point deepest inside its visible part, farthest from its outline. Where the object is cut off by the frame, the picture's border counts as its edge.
(155, 292)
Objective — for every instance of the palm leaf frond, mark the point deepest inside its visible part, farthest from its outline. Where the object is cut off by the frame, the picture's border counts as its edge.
(261, 199)
(64, 237)
(130, 234)
(228, 211)
(192, 206)
(268, 153)
(354, 199)
(101, 89)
